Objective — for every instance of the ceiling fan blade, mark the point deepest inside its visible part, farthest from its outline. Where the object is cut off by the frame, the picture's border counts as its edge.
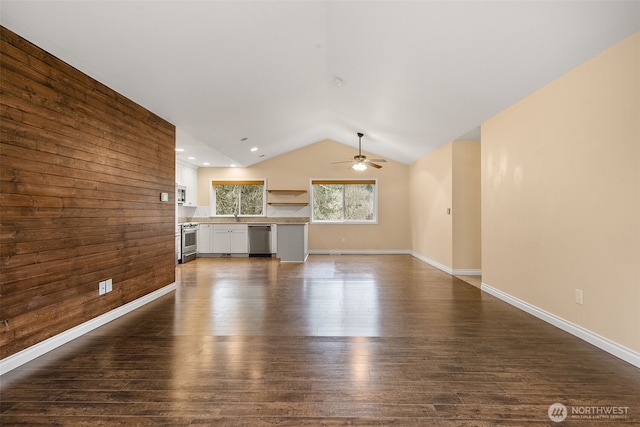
(360, 161)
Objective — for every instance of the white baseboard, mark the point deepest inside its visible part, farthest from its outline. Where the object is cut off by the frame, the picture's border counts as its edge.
(467, 272)
(9, 363)
(578, 331)
(294, 262)
(433, 263)
(448, 270)
(359, 252)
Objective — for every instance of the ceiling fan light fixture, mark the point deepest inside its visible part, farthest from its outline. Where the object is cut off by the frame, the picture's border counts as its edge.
(360, 162)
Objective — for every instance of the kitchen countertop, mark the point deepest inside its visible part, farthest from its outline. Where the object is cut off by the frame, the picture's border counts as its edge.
(246, 220)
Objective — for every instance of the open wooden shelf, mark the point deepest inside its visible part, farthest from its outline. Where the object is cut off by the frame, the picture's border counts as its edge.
(287, 195)
(288, 191)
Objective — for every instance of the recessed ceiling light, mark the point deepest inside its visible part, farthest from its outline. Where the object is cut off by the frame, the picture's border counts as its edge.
(206, 163)
(191, 158)
(338, 81)
(254, 149)
(180, 149)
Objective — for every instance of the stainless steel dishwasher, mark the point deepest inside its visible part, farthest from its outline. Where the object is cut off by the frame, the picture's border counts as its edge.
(259, 240)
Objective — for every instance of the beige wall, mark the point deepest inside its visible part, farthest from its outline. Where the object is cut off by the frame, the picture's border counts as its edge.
(561, 196)
(447, 178)
(431, 194)
(466, 206)
(293, 170)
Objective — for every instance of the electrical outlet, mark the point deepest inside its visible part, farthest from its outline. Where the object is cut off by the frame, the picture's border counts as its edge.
(102, 288)
(578, 296)
(109, 285)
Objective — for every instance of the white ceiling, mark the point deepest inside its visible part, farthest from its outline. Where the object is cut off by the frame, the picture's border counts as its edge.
(414, 74)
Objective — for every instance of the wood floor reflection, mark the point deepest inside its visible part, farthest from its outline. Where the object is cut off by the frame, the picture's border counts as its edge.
(338, 340)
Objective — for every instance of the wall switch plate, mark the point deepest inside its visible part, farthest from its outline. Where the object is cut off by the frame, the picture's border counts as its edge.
(109, 285)
(578, 296)
(102, 288)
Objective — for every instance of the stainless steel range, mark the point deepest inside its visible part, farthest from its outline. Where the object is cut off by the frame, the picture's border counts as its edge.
(189, 241)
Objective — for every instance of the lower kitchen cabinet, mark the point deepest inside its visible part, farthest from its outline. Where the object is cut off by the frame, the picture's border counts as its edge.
(178, 247)
(205, 239)
(222, 239)
(230, 239)
(293, 242)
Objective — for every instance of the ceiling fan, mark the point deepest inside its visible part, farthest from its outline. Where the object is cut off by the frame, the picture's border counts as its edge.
(360, 162)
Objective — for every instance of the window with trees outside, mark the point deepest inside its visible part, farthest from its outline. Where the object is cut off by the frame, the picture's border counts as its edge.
(344, 201)
(238, 198)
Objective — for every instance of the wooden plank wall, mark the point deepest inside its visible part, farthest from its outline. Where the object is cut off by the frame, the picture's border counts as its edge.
(81, 172)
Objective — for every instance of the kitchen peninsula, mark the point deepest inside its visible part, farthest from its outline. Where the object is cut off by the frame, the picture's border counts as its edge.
(293, 243)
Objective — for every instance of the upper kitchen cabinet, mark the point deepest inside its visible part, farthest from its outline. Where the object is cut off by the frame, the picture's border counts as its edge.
(187, 175)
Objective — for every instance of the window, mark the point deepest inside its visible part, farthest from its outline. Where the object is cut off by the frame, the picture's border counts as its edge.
(238, 198)
(344, 201)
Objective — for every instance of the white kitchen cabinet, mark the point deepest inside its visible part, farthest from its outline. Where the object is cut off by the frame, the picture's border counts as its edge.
(239, 242)
(205, 239)
(190, 179)
(178, 247)
(179, 168)
(230, 239)
(187, 176)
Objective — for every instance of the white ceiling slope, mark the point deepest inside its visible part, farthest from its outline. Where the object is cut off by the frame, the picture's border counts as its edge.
(413, 75)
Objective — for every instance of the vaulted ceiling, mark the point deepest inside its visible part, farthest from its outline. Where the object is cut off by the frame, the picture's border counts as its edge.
(410, 75)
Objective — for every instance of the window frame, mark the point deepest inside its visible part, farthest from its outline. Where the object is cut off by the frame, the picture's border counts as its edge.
(346, 181)
(213, 198)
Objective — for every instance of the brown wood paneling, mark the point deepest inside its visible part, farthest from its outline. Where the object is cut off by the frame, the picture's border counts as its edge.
(81, 172)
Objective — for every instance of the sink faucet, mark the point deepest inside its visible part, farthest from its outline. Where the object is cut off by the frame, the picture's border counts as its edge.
(235, 215)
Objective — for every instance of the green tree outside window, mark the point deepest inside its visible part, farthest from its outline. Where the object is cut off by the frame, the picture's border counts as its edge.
(344, 201)
(239, 198)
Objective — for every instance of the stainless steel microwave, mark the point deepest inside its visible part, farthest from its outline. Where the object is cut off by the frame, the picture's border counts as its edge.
(181, 194)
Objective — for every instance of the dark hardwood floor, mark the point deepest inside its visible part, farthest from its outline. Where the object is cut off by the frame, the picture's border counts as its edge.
(340, 340)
